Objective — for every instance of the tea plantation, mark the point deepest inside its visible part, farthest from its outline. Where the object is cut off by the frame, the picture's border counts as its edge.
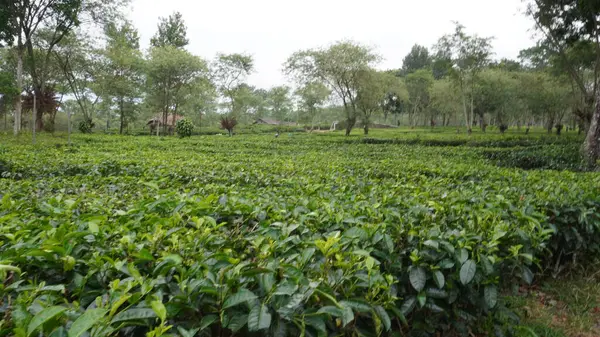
(301, 235)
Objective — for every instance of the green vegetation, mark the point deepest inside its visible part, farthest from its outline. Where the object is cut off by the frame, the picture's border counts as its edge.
(313, 234)
(470, 206)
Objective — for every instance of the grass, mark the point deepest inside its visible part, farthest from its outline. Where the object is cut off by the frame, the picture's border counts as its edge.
(565, 307)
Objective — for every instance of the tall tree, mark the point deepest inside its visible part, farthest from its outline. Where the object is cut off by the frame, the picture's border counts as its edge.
(123, 76)
(419, 86)
(372, 88)
(445, 100)
(468, 55)
(338, 67)
(312, 96)
(172, 31)
(170, 71)
(23, 18)
(228, 72)
(417, 58)
(280, 102)
(81, 66)
(569, 24)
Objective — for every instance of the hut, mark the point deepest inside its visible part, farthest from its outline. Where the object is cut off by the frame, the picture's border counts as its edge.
(157, 121)
(268, 121)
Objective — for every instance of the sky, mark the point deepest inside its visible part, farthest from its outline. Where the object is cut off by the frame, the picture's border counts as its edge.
(271, 30)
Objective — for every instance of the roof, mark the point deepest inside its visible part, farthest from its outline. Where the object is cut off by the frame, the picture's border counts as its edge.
(159, 117)
(272, 122)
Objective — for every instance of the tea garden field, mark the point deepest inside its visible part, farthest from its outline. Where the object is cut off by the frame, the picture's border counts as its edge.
(416, 234)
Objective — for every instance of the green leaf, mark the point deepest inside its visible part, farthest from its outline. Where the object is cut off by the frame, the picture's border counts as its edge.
(417, 277)
(316, 322)
(133, 314)
(347, 316)
(447, 247)
(187, 333)
(462, 256)
(446, 264)
(422, 298)
(42, 317)
(438, 278)
(331, 310)
(490, 294)
(527, 275)
(243, 295)
(5, 267)
(408, 305)
(259, 318)
(207, 321)
(86, 321)
(159, 309)
(286, 288)
(432, 244)
(385, 318)
(467, 272)
(358, 305)
(237, 322)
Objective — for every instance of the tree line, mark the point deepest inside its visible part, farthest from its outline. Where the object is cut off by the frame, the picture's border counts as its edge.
(50, 58)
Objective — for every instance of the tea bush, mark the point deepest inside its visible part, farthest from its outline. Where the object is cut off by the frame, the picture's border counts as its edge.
(184, 128)
(309, 235)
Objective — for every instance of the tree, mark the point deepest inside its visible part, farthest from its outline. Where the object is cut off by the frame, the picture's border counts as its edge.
(372, 89)
(445, 99)
(81, 67)
(417, 58)
(123, 76)
(568, 24)
(468, 55)
(338, 67)
(419, 86)
(8, 93)
(170, 71)
(280, 102)
(228, 123)
(228, 72)
(23, 18)
(312, 96)
(172, 31)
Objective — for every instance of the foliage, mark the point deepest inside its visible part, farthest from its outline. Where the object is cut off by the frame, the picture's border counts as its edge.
(170, 73)
(123, 78)
(467, 55)
(417, 58)
(228, 123)
(172, 31)
(128, 236)
(86, 126)
(184, 128)
(338, 67)
(571, 33)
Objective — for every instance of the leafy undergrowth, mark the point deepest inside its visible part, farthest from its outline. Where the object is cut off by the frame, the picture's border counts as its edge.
(565, 307)
(299, 235)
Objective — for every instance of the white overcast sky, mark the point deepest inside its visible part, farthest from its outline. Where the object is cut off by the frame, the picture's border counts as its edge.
(270, 30)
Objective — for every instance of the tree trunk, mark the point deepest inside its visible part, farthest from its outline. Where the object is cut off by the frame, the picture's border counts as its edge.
(122, 116)
(19, 102)
(34, 116)
(591, 146)
(466, 113)
(350, 121)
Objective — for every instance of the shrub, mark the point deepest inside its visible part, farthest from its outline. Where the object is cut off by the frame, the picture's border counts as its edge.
(228, 123)
(86, 126)
(287, 238)
(184, 128)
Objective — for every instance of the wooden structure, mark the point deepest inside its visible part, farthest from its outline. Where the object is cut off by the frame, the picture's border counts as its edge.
(268, 121)
(157, 121)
